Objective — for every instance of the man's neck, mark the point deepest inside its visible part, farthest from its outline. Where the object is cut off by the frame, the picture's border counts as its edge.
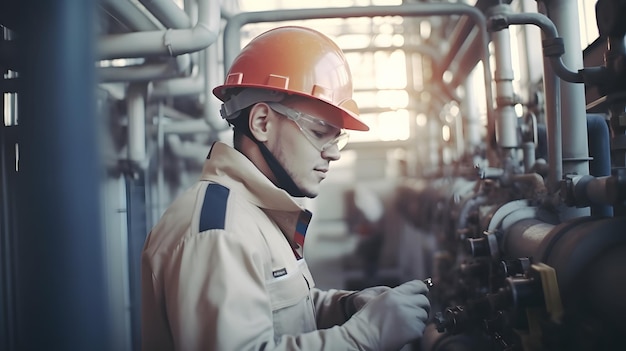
(251, 150)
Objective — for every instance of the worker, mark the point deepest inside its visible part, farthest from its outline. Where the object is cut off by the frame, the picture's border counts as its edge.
(224, 267)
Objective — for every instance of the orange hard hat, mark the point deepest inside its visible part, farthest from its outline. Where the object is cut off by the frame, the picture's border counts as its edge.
(296, 61)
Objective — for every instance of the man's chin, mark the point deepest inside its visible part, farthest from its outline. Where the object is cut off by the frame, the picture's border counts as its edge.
(310, 193)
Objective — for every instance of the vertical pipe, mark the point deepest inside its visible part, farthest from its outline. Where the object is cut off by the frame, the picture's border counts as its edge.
(553, 127)
(564, 14)
(434, 141)
(459, 140)
(136, 219)
(472, 123)
(506, 128)
(574, 148)
(7, 231)
(529, 156)
(136, 106)
(600, 152)
(61, 301)
(531, 42)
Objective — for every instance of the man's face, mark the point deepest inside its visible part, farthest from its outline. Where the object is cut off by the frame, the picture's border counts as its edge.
(297, 146)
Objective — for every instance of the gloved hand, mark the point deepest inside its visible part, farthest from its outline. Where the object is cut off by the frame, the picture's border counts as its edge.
(355, 301)
(392, 319)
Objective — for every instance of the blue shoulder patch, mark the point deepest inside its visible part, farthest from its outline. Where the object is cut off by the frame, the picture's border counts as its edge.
(213, 213)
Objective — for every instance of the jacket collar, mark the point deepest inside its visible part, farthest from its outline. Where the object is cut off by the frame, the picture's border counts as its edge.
(229, 167)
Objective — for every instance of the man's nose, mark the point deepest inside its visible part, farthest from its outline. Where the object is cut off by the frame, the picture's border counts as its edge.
(332, 153)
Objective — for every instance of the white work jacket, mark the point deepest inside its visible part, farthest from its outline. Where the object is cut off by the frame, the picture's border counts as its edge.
(223, 269)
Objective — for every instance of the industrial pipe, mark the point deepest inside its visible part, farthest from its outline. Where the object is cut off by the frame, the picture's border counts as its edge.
(171, 42)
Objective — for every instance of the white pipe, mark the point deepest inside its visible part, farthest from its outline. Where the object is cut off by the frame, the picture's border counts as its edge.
(131, 15)
(170, 42)
(136, 104)
(168, 13)
(172, 68)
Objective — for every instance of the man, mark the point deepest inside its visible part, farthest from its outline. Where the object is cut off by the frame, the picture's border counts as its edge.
(223, 268)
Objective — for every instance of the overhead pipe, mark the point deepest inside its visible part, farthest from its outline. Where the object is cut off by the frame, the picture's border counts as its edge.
(168, 13)
(471, 56)
(171, 42)
(551, 41)
(170, 68)
(193, 83)
(462, 36)
(130, 15)
(175, 18)
(185, 86)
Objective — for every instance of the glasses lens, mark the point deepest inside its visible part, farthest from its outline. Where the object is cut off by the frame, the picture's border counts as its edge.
(319, 133)
(341, 141)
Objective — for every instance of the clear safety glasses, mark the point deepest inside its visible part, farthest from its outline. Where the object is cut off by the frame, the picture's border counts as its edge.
(320, 134)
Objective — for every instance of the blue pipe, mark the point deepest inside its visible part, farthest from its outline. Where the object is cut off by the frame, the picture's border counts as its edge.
(61, 295)
(600, 153)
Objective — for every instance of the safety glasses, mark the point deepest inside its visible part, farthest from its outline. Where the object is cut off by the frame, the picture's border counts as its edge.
(319, 133)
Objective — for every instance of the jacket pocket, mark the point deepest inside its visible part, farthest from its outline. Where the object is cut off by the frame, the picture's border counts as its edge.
(292, 310)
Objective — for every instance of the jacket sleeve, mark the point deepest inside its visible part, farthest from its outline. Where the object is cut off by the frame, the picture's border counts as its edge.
(216, 300)
(329, 307)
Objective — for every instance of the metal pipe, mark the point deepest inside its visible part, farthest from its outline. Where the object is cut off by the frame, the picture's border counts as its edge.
(212, 78)
(136, 106)
(60, 287)
(524, 237)
(575, 150)
(553, 126)
(590, 190)
(187, 150)
(600, 153)
(472, 122)
(506, 120)
(184, 86)
(168, 13)
(234, 24)
(171, 42)
(130, 15)
(529, 155)
(193, 84)
(186, 127)
(461, 36)
(143, 73)
(550, 31)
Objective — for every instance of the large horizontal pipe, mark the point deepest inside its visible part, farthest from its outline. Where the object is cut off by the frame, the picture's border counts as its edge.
(171, 42)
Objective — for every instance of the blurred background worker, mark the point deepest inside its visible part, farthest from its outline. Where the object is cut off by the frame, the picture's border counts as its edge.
(224, 269)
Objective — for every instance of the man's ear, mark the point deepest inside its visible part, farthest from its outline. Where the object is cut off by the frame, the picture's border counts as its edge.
(258, 121)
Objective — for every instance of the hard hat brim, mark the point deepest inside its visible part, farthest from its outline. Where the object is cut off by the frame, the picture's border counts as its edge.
(349, 119)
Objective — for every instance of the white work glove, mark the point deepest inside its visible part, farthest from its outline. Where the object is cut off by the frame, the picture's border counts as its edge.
(392, 319)
(355, 301)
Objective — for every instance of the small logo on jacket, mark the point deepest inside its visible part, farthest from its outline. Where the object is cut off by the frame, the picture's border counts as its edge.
(279, 273)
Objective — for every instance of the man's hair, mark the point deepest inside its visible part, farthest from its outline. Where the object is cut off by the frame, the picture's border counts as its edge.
(240, 126)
